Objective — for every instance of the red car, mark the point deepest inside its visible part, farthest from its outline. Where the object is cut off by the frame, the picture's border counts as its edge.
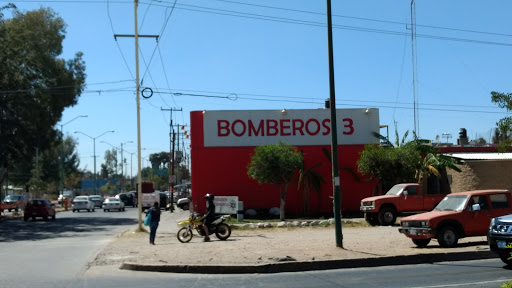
(39, 208)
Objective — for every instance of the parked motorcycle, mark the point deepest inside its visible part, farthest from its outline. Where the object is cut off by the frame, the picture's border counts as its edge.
(217, 227)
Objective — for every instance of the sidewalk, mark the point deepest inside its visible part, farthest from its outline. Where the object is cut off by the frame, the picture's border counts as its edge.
(264, 250)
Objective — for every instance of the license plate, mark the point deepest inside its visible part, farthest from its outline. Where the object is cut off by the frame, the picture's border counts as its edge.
(412, 232)
(501, 244)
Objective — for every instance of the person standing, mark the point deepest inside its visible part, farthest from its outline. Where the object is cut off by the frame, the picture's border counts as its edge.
(155, 219)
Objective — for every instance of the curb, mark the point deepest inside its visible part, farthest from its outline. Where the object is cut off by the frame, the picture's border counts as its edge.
(312, 265)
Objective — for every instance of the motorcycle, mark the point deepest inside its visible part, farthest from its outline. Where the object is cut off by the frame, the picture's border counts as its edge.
(217, 227)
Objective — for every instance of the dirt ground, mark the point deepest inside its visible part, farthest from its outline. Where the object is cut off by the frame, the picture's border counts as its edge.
(270, 245)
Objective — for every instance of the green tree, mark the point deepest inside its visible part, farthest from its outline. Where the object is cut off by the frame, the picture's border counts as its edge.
(275, 164)
(108, 188)
(35, 85)
(108, 169)
(503, 132)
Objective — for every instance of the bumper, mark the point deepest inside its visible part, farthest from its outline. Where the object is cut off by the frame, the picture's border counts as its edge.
(367, 209)
(418, 233)
(497, 243)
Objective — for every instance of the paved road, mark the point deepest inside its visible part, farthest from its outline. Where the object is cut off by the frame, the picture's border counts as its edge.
(56, 253)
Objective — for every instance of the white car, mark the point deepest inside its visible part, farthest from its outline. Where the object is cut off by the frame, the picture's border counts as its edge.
(82, 203)
(113, 203)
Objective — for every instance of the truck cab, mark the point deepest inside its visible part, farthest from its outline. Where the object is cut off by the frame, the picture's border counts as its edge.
(404, 198)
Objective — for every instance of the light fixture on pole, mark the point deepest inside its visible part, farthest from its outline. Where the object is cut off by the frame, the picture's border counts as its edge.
(447, 136)
(94, 154)
(61, 188)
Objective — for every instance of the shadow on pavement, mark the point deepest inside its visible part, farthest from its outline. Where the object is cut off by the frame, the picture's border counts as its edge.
(18, 230)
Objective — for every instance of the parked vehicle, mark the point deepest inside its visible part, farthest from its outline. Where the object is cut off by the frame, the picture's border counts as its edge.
(406, 198)
(82, 203)
(129, 199)
(67, 194)
(499, 237)
(149, 197)
(14, 202)
(113, 203)
(164, 200)
(183, 203)
(39, 208)
(194, 222)
(98, 200)
(457, 216)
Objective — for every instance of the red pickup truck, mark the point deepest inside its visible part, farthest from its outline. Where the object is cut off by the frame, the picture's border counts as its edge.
(405, 198)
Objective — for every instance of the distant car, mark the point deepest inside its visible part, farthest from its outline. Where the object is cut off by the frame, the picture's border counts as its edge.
(164, 200)
(129, 199)
(82, 203)
(39, 208)
(65, 195)
(500, 236)
(183, 203)
(113, 203)
(98, 200)
(14, 199)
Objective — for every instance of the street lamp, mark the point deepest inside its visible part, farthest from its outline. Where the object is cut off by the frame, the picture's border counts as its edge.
(62, 153)
(94, 154)
(447, 136)
(122, 164)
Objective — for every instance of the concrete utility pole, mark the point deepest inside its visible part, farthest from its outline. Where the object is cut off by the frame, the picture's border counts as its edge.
(334, 134)
(172, 178)
(137, 85)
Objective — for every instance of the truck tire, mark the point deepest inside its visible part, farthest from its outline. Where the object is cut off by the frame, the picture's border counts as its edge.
(422, 243)
(447, 237)
(387, 216)
(371, 218)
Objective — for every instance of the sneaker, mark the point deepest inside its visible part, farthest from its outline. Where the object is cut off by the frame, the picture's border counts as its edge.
(206, 239)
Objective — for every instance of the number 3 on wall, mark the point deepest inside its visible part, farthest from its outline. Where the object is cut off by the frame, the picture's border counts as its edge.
(348, 123)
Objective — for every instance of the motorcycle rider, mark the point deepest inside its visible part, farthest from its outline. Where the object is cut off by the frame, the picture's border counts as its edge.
(208, 216)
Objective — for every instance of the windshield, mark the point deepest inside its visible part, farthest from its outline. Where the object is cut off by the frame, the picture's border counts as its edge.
(395, 190)
(452, 203)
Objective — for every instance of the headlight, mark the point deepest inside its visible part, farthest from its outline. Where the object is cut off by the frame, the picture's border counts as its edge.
(492, 224)
(424, 223)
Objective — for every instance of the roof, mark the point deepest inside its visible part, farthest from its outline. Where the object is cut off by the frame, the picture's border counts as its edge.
(480, 156)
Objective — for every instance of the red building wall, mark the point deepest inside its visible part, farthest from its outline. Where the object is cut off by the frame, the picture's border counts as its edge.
(222, 171)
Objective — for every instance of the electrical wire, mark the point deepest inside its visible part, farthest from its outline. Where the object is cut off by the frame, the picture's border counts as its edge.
(117, 43)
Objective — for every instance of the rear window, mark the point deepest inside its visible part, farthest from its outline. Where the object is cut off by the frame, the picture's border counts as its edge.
(499, 201)
(36, 203)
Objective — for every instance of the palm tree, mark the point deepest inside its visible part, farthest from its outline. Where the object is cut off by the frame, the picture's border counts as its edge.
(309, 178)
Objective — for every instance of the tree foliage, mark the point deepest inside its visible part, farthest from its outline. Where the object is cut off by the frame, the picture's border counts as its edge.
(503, 133)
(35, 85)
(275, 164)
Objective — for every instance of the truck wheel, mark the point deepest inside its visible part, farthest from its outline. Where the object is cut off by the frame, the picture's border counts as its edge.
(371, 218)
(185, 207)
(387, 216)
(422, 243)
(447, 237)
(504, 258)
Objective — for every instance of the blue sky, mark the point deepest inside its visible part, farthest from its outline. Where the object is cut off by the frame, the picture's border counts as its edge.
(272, 54)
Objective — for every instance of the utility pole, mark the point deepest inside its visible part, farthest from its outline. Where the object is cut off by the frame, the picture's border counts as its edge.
(137, 92)
(334, 134)
(172, 178)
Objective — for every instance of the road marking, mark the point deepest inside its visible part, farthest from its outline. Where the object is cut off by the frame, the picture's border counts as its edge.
(463, 284)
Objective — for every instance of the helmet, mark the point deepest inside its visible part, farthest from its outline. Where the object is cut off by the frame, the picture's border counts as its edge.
(209, 197)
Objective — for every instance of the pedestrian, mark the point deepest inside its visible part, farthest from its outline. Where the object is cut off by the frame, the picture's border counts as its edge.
(155, 219)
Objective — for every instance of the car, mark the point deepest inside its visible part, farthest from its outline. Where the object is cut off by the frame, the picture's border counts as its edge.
(499, 237)
(458, 215)
(183, 203)
(129, 199)
(15, 202)
(98, 200)
(164, 200)
(65, 195)
(82, 203)
(39, 208)
(113, 203)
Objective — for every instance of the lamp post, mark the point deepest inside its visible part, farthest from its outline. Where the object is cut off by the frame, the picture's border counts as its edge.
(447, 136)
(122, 164)
(94, 154)
(62, 153)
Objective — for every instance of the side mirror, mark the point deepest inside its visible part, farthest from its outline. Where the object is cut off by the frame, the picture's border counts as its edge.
(476, 207)
(405, 193)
